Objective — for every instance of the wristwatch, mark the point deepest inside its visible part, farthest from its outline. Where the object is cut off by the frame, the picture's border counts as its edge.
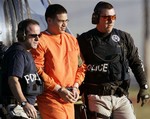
(145, 86)
(23, 103)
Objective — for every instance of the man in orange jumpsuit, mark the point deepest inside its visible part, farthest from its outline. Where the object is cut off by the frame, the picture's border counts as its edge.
(59, 64)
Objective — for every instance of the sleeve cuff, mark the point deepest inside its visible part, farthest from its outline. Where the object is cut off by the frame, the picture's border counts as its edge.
(76, 85)
(56, 88)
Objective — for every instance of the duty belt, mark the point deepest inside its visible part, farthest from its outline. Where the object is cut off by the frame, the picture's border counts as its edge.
(103, 89)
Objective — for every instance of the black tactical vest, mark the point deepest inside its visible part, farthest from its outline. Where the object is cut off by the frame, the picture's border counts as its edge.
(105, 56)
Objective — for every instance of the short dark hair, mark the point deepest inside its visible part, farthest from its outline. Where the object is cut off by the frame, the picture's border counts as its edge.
(54, 9)
(102, 5)
(22, 28)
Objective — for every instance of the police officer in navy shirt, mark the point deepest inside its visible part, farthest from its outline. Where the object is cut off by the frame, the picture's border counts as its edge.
(21, 82)
(108, 53)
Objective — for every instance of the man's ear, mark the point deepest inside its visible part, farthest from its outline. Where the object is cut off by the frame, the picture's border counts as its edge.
(49, 20)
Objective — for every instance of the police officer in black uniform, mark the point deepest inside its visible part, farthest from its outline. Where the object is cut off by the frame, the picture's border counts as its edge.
(21, 83)
(108, 53)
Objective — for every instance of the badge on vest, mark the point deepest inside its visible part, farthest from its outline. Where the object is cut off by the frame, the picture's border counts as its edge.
(115, 38)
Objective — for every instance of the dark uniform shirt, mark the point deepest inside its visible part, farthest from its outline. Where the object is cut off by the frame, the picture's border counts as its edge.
(19, 62)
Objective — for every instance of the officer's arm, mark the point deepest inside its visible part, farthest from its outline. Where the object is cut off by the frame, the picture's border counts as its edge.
(135, 62)
(139, 73)
(15, 87)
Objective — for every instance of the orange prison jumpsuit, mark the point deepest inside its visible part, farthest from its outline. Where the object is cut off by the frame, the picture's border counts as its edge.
(56, 59)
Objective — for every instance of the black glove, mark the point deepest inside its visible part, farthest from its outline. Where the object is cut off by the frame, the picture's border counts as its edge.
(143, 95)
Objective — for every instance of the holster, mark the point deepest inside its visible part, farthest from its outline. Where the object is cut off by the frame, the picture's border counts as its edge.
(83, 111)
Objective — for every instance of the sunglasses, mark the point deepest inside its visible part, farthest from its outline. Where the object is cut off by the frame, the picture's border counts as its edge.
(109, 17)
(35, 35)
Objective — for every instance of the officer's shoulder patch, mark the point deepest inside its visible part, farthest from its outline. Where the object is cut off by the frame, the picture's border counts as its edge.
(115, 38)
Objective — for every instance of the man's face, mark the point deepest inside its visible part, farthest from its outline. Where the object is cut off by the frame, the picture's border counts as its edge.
(33, 34)
(58, 25)
(106, 20)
